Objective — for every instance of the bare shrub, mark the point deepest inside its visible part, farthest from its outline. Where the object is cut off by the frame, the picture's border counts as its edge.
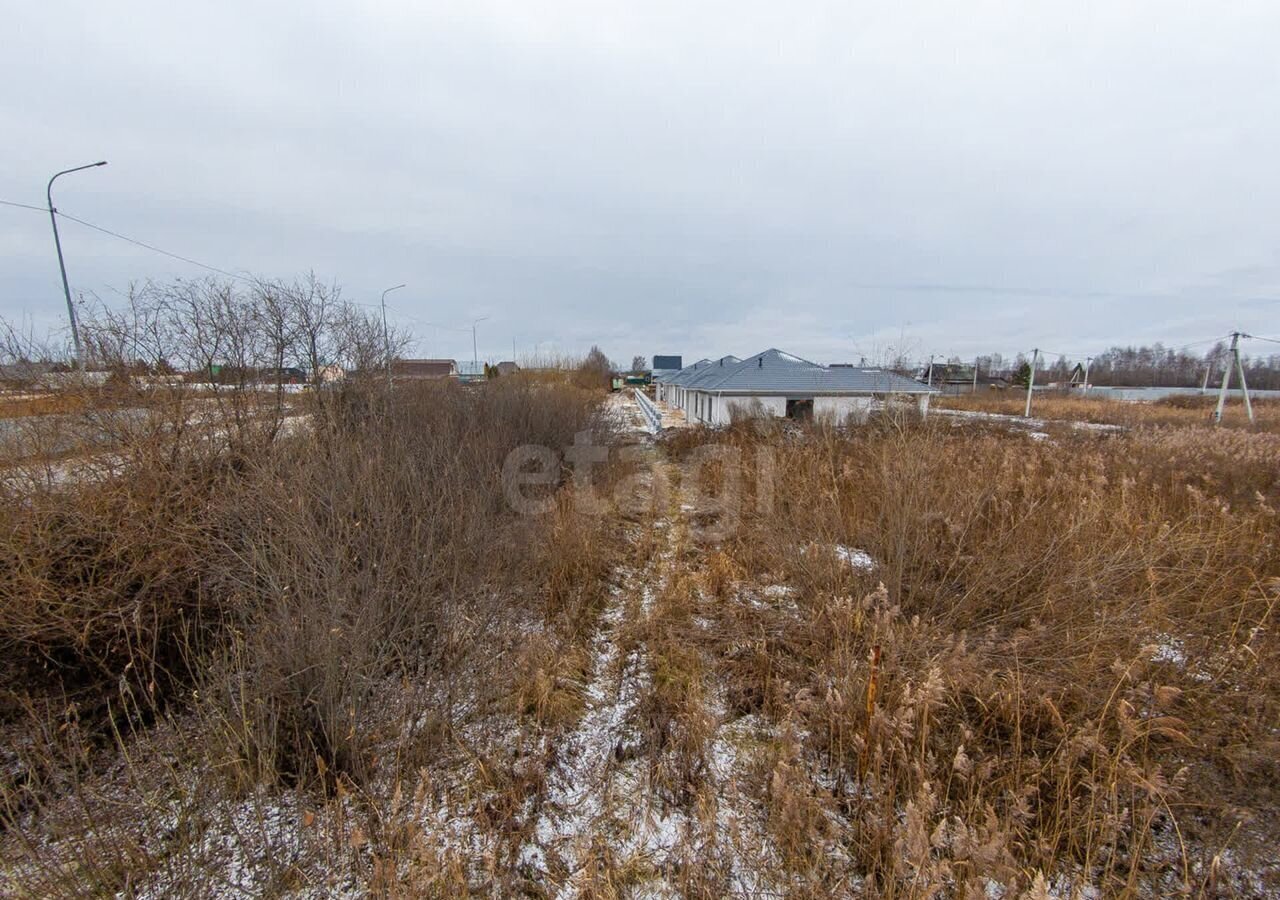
(266, 566)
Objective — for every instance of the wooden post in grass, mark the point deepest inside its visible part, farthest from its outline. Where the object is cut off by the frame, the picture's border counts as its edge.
(1244, 388)
(1226, 381)
(1031, 380)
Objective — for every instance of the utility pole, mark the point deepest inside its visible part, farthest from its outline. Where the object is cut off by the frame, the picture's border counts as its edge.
(475, 356)
(1226, 380)
(929, 378)
(1087, 360)
(1244, 388)
(386, 335)
(1031, 380)
(975, 376)
(1208, 370)
(62, 266)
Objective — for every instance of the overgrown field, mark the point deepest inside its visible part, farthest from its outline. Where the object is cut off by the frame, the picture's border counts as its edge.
(1058, 660)
(1178, 410)
(904, 659)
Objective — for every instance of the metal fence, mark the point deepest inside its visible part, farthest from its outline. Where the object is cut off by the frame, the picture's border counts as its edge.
(652, 418)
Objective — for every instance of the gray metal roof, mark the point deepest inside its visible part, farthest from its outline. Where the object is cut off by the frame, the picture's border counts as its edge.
(776, 372)
(686, 373)
(719, 367)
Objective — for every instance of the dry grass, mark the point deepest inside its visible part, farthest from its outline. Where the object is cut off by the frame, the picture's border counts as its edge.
(1069, 666)
(41, 404)
(267, 603)
(1178, 410)
(336, 662)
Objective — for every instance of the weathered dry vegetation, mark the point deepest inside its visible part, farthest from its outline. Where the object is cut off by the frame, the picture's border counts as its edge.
(1186, 410)
(1061, 667)
(241, 592)
(302, 645)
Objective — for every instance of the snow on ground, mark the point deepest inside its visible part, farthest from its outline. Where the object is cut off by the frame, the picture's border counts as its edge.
(853, 557)
(1036, 425)
(582, 790)
(1168, 649)
(740, 826)
(622, 410)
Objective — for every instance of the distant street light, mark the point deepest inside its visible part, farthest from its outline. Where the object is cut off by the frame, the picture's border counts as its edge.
(475, 357)
(62, 266)
(386, 335)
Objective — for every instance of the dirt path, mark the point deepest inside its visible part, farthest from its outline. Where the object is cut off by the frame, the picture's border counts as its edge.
(598, 800)
(649, 798)
(657, 788)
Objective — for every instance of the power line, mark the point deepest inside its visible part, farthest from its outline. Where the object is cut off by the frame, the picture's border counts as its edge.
(421, 321)
(23, 205)
(155, 249)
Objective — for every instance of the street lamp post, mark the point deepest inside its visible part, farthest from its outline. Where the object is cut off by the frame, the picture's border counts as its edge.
(62, 266)
(475, 356)
(386, 335)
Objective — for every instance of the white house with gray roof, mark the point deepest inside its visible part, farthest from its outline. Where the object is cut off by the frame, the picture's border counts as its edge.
(670, 388)
(779, 384)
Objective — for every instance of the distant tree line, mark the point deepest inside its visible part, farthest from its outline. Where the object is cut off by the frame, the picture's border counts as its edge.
(1153, 366)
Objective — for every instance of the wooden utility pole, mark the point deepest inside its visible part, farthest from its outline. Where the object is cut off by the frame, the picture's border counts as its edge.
(1244, 388)
(975, 375)
(929, 378)
(1226, 380)
(1087, 360)
(1031, 380)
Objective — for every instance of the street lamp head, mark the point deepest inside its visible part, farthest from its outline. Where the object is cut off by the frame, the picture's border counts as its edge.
(101, 163)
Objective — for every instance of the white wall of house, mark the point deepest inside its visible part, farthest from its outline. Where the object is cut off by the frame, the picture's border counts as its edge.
(768, 405)
(838, 409)
(712, 409)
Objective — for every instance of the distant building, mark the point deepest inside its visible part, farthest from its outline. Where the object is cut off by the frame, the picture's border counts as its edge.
(24, 373)
(286, 375)
(423, 368)
(468, 371)
(773, 383)
(665, 366)
(507, 367)
(959, 379)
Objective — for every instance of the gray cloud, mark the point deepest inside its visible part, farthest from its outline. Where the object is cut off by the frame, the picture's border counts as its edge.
(829, 178)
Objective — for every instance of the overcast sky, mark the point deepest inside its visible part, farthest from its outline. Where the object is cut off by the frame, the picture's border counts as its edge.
(832, 179)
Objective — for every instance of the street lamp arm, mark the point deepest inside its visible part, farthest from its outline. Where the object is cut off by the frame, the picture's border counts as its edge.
(48, 191)
(386, 335)
(62, 266)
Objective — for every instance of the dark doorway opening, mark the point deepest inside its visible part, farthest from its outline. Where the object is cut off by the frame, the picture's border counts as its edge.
(801, 410)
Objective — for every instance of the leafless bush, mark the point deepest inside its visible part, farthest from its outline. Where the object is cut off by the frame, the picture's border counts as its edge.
(391, 553)
(285, 553)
